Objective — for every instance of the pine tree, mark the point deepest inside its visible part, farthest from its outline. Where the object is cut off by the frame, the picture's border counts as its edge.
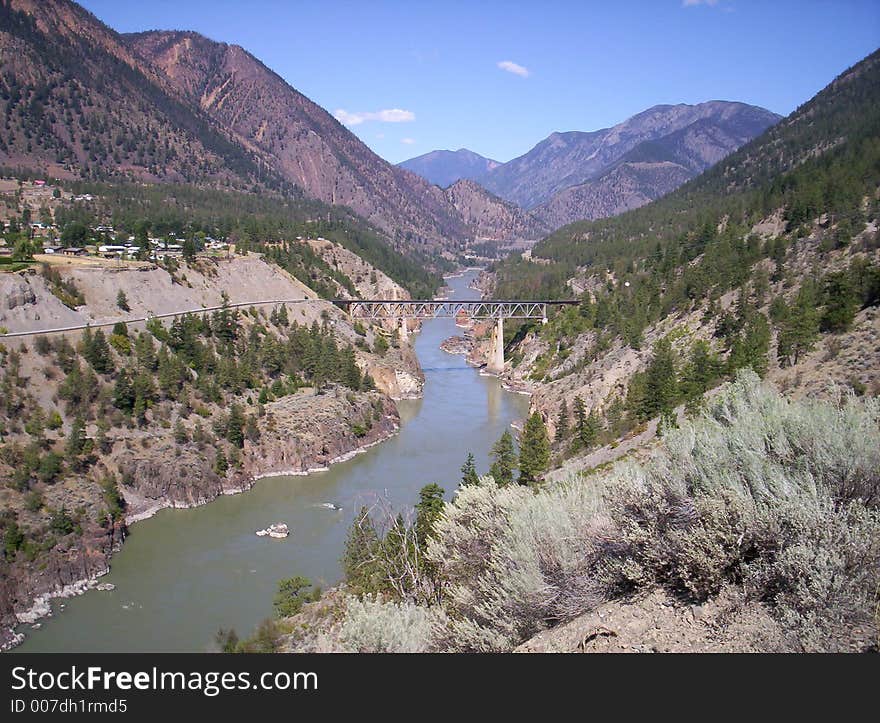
(123, 392)
(534, 453)
(701, 372)
(180, 433)
(841, 302)
(562, 423)
(76, 439)
(504, 459)
(751, 346)
(122, 301)
(428, 510)
(799, 326)
(469, 474)
(661, 384)
(591, 430)
(221, 465)
(580, 417)
(359, 561)
(235, 426)
(283, 318)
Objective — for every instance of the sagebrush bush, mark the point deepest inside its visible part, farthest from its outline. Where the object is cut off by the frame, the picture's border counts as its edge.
(780, 498)
(374, 626)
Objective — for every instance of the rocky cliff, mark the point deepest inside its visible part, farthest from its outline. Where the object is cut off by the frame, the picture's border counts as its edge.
(490, 217)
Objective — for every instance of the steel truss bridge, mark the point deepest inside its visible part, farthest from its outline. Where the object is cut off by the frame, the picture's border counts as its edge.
(420, 309)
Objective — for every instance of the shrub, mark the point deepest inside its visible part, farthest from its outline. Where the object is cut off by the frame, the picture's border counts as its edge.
(372, 626)
(781, 497)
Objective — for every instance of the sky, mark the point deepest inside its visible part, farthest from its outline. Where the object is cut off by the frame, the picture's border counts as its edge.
(411, 76)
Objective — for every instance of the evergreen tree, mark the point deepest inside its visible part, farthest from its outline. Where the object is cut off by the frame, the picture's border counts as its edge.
(701, 372)
(751, 346)
(76, 439)
(534, 453)
(123, 392)
(504, 459)
(580, 416)
(841, 302)
(359, 561)
(96, 351)
(469, 474)
(180, 433)
(428, 510)
(591, 429)
(799, 326)
(283, 318)
(661, 384)
(122, 302)
(562, 423)
(292, 594)
(235, 426)
(221, 464)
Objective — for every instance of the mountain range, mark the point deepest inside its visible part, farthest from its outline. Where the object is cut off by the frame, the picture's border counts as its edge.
(81, 101)
(587, 175)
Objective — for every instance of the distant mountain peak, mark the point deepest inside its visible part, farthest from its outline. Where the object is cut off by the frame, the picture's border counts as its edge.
(443, 167)
(684, 139)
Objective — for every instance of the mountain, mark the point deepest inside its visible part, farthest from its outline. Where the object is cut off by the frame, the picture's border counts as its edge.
(77, 103)
(490, 217)
(823, 158)
(663, 146)
(443, 168)
(82, 101)
(298, 138)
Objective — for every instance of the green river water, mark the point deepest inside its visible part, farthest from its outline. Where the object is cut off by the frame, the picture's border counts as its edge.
(183, 574)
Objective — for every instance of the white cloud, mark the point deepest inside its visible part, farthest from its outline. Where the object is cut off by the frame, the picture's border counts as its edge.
(391, 115)
(514, 68)
(408, 141)
(694, 3)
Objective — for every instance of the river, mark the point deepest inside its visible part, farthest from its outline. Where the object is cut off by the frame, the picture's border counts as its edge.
(183, 574)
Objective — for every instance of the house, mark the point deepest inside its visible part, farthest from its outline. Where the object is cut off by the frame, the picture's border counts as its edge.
(73, 251)
(52, 249)
(110, 251)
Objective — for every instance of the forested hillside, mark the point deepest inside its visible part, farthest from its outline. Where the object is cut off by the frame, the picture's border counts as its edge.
(256, 222)
(823, 159)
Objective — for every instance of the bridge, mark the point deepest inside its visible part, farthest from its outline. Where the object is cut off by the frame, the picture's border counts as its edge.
(373, 310)
(401, 310)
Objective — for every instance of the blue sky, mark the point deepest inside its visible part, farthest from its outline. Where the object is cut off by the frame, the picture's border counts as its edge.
(497, 77)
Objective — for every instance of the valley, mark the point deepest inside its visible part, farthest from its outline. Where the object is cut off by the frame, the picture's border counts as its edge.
(682, 454)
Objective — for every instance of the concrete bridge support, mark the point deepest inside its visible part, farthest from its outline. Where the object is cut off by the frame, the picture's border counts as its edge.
(496, 353)
(403, 331)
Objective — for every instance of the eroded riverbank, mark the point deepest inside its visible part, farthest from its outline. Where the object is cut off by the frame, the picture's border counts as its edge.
(184, 573)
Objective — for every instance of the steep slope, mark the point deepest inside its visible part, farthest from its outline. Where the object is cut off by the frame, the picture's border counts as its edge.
(769, 260)
(298, 138)
(623, 188)
(443, 168)
(568, 159)
(77, 103)
(650, 170)
(490, 217)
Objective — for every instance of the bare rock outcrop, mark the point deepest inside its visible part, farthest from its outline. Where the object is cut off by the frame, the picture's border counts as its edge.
(308, 431)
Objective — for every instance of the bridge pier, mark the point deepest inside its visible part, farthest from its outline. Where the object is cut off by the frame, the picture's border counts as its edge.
(496, 352)
(403, 331)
